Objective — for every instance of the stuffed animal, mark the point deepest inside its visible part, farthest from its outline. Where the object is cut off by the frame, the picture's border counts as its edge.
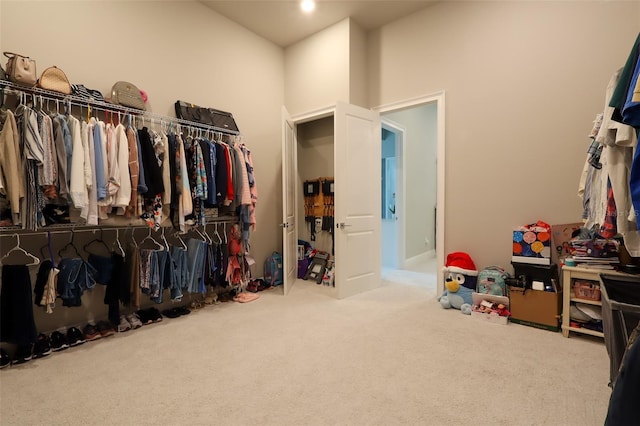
(460, 279)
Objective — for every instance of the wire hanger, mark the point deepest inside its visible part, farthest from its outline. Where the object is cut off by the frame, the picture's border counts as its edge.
(97, 240)
(69, 244)
(34, 260)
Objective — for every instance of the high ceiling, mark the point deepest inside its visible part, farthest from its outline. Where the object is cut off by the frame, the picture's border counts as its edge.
(284, 23)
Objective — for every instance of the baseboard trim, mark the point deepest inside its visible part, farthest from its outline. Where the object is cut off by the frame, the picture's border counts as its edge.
(417, 260)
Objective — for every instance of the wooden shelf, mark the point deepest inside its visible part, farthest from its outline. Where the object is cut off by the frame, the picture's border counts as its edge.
(582, 330)
(586, 301)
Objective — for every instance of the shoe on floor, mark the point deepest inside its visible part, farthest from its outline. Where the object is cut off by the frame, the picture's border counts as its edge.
(134, 321)
(91, 332)
(144, 316)
(5, 359)
(154, 314)
(24, 353)
(42, 347)
(75, 336)
(105, 328)
(124, 324)
(58, 341)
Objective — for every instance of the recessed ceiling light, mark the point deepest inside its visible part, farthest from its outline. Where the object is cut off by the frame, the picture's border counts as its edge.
(307, 5)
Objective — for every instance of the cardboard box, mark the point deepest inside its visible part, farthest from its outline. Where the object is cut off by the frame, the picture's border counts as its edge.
(541, 309)
(560, 237)
(496, 319)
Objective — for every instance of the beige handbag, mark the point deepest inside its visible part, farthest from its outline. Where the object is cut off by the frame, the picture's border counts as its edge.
(127, 94)
(21, 69)
(53, 78)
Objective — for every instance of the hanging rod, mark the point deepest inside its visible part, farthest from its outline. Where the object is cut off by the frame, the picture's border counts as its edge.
(7, 231)
(106, 106)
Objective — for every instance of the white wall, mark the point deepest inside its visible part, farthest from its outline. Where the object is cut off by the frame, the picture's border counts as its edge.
(174, 51)
(523, 82)
(317, 70)
(358, 67)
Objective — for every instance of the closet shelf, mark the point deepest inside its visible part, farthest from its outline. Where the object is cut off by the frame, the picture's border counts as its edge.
(65, 228)
(83, 102)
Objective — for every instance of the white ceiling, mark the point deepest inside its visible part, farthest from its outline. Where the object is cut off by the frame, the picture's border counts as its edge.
(284, 23)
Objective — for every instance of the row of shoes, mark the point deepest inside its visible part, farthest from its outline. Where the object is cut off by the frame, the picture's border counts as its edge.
(57, 341)
(73, 336)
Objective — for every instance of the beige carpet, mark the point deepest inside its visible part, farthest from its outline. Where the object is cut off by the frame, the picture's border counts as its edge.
(389, 356)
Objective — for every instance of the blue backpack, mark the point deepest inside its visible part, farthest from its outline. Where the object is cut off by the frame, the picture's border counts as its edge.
(273, 269)
(492, 280)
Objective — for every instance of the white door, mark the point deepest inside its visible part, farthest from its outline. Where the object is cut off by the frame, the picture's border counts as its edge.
(357, 199)
(289, 200)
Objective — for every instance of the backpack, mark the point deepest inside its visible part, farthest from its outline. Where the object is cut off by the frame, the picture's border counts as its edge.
(273, 269)
(492, 280)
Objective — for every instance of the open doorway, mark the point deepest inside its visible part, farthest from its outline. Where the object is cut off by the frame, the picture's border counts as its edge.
(412, 191)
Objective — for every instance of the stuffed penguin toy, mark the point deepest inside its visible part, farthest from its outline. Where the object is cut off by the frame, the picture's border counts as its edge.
(460, 280)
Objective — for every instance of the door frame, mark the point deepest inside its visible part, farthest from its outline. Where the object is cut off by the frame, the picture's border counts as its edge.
(400, 132)
(439, 99)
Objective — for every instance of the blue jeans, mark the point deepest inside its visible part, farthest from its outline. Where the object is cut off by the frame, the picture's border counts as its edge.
(74, 278)
(196, 250)
(103, 266)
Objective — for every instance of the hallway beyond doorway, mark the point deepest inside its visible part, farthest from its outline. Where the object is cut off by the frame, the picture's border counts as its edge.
(424, 275)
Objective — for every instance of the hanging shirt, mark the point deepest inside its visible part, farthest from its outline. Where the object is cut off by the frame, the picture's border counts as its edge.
(11, 164)
(61, 137)
(92, 210)
(123, 195)
(78, 185)
(48, 174)
(134, 171)
(113, 181)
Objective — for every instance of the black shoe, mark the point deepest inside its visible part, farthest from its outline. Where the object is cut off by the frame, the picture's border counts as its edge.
(154, 314)
(24, 353)
(42, 346)
(75, 336)
(58, 341)
(5, 359)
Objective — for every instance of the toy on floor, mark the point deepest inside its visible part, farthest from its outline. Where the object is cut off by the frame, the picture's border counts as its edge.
(460, 279)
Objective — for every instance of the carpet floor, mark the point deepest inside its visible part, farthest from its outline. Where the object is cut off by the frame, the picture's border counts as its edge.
(391, 356)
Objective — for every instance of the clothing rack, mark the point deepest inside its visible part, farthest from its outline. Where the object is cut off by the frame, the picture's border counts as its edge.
(10, 231)
(69, 100)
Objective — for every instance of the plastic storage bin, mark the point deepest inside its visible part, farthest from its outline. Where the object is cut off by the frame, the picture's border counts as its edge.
(620, 315)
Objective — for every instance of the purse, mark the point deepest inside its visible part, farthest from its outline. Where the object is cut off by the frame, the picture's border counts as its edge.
(53, 78)
(207, 116)
(127, 94)
(21, 69)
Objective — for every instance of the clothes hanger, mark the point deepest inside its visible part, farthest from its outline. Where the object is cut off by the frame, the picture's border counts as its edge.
(164, 239)
(201, 234)
(34, 260)
(69, 244)
(48, 245)
(182, 243)
(120, 249)
(209, 240)
(158, 246)
(217, 234)
(97, 240)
